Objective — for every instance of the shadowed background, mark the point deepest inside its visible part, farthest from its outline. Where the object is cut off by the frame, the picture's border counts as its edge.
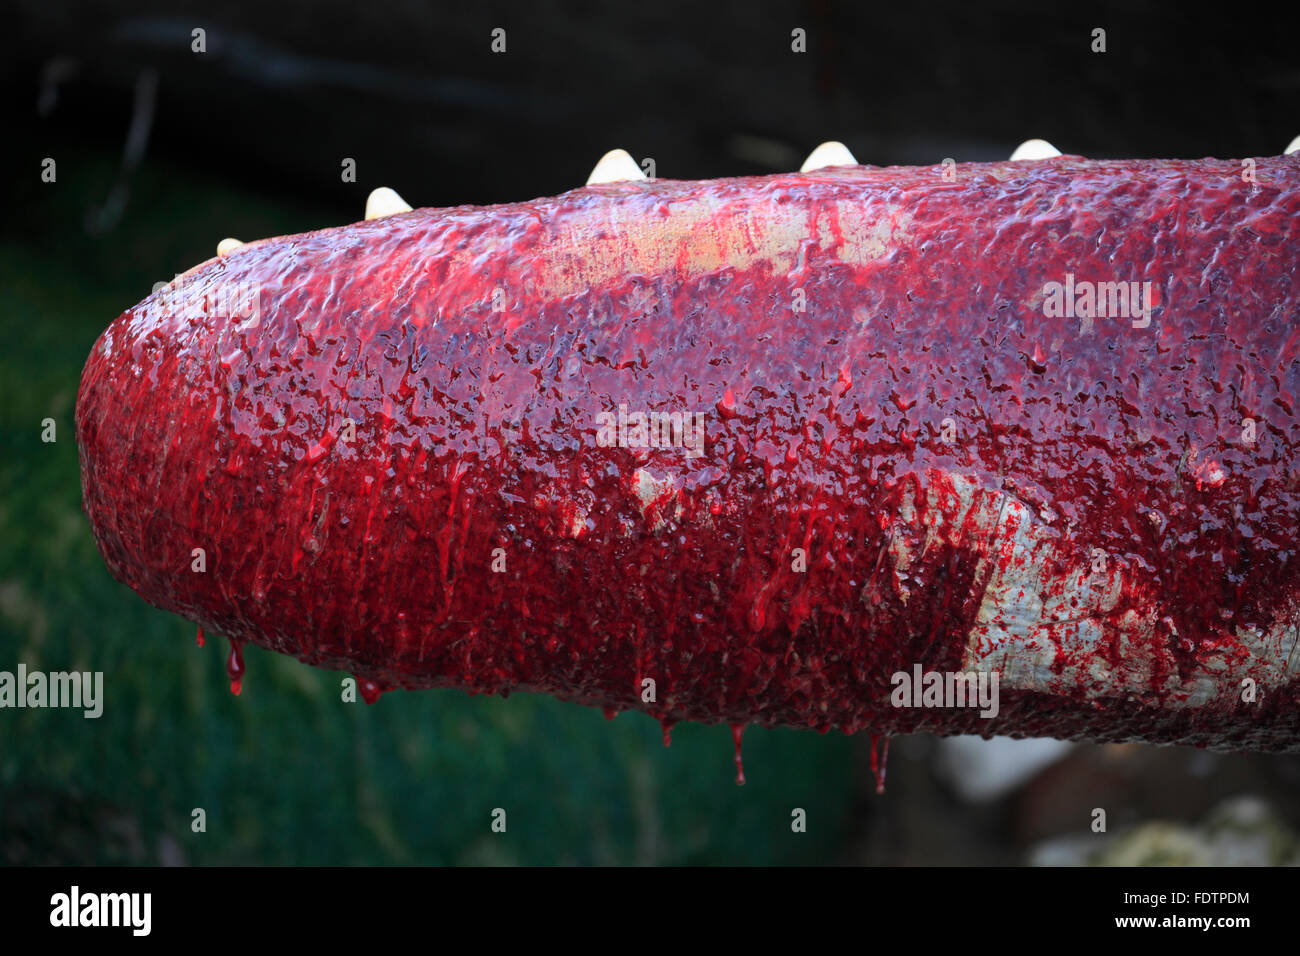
(162, 151)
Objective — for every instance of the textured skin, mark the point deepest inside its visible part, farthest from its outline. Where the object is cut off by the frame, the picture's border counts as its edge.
(474, 348)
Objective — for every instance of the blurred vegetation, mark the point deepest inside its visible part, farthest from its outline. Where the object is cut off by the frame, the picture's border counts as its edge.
(287, 773)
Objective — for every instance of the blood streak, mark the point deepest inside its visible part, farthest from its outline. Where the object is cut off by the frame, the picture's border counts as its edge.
(738, 731)
(879, 757)
(235, 666)
(979, 481)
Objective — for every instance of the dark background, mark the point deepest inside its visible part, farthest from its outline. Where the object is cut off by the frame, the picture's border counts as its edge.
(162, 152)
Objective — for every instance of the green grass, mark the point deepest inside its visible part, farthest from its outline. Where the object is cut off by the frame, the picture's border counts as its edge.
(287, 772)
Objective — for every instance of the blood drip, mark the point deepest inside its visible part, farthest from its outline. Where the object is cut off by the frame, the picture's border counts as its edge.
(235, 666)
(879, 757)
(610, 713)
(199, 640)
(738, 730)
(668, 726)
(370, 691)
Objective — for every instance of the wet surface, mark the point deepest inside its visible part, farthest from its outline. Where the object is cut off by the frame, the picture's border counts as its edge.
(394, 463)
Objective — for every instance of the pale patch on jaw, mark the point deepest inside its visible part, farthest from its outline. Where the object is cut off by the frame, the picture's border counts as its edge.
(652, 494)
(705, 236)
(1042, 629)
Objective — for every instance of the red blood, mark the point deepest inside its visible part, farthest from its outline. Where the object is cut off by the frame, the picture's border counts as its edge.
(475, 531)
(370, 691)
(199, 639)
(879, 757)
(235, 666)
(737, 731)
(667, 727)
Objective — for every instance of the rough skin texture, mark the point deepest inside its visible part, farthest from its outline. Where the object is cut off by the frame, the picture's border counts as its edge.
(1091, 521)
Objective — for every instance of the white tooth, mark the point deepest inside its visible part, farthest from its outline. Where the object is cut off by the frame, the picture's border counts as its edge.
(828, 154)
(1035, 149)
(616, 166)
(385, 202)
(1294, 147)
(227, 245)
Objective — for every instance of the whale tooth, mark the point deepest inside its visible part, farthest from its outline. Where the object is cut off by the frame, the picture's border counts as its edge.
(227, 245)
(1294, 147)
(616, 166)
(828, 154)
(1035, 149)
(385, 202)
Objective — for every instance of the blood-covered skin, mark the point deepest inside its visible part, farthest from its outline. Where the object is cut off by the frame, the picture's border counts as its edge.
(1075, 503)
